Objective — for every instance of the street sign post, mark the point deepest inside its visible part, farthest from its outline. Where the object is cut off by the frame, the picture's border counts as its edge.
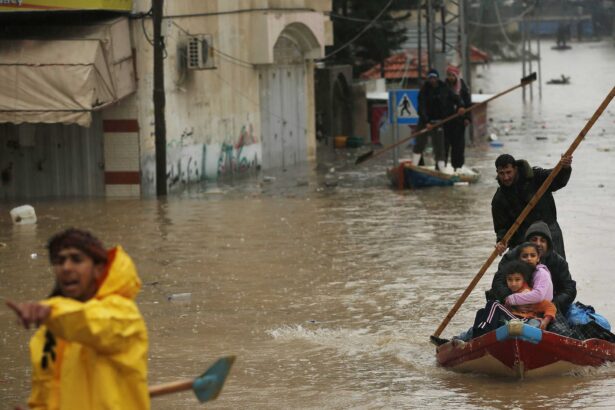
(404, 104)
(403, 109)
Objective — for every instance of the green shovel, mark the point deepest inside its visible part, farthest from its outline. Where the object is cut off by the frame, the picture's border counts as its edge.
(206, 387)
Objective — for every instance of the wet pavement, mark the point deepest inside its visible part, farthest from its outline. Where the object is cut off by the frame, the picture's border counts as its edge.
(327, 285)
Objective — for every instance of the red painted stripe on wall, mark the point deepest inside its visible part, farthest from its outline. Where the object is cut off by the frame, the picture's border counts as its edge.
(120, 125)
(122, 178)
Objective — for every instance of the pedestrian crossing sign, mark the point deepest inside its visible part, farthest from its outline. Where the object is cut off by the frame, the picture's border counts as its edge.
(406, 104)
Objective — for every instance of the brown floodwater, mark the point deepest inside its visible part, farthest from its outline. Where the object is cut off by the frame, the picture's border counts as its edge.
(326, 285)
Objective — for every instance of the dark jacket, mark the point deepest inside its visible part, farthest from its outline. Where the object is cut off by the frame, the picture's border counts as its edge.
(564, 288)
(508, 202)
(465, 100)
(437, 103)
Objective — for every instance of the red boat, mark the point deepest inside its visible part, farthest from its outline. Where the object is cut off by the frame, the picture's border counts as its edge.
(521, 351)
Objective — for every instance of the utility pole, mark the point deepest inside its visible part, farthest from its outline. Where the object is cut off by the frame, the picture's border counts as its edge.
(420, 43)
(160, 127)
(430, 35)
(465, 48)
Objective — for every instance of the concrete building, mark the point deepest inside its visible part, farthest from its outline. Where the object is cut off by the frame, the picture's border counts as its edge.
(76, 108)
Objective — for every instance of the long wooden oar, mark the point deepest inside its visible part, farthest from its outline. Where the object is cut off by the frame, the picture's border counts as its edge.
(371, 154)
(528, 208)
(206, 387)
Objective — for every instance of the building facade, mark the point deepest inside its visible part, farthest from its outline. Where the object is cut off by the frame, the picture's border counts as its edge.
(239, 86)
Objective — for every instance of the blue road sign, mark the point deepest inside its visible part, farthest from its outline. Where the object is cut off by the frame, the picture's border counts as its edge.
(407, 104)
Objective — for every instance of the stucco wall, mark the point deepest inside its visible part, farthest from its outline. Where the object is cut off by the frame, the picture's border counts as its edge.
(213, 116)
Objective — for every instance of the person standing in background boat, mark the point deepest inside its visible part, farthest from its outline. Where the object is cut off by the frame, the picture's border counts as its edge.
(90, 350)
(455, 130)
(518, 184)
(436, 102)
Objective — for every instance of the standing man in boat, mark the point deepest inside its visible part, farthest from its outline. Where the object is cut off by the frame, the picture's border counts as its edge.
(436, 102)
(455, 130)
(90, 349)
(518, 184)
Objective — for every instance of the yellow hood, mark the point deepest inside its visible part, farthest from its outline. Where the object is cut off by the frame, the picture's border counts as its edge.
(121, 277)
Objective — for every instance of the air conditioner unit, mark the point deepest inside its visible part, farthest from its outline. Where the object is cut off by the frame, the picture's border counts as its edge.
(200, 54)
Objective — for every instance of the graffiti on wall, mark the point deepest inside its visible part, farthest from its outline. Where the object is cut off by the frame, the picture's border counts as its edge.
(189, 162)
(239, 158)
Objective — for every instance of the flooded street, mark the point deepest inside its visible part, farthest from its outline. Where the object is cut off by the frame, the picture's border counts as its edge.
(328, 293)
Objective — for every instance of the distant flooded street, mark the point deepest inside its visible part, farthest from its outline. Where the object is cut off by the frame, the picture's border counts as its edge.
(328, 292)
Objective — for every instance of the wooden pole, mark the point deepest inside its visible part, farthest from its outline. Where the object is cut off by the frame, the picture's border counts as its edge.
(159, 100)
(528, 208)
(172, 387)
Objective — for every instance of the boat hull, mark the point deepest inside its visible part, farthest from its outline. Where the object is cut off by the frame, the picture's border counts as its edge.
(521, 351)
(409, 176)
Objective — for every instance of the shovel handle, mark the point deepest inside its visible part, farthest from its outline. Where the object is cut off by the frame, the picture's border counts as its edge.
(172, 387)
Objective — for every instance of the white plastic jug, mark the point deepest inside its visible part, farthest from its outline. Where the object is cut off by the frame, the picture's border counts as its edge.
(23, 215)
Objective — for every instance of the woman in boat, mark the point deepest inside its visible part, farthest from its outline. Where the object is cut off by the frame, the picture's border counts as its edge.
(564, 288)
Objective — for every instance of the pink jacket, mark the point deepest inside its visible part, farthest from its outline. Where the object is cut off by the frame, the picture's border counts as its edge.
(542, 289)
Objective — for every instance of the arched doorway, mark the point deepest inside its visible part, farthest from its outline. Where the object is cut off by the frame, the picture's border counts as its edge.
(284, 99)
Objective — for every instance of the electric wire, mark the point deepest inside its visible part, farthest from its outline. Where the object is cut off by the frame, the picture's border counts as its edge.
(360, 33)
(501, 25)
(228, 57)
(511, 20)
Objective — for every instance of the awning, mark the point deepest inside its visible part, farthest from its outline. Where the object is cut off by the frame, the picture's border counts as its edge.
(60, 74)
(64, 5)
(57, 81)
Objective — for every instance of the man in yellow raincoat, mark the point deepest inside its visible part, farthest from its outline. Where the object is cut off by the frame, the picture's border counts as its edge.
(90, 351)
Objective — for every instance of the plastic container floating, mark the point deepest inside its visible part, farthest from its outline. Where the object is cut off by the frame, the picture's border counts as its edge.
(23, 215)
(180, 297)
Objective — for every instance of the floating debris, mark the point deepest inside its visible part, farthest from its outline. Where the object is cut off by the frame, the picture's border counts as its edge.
(180, 297)
(23, 215)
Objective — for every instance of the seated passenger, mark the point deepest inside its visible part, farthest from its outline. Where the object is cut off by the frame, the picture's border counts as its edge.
(564, 288)
(539, 314)
(494, 314)
(542, 287)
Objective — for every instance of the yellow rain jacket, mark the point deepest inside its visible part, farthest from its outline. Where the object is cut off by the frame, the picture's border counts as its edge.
(93, 355)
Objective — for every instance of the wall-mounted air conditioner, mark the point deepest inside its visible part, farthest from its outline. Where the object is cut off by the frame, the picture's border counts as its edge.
(200, 52)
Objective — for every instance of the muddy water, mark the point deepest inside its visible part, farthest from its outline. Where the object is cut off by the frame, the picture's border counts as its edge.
(327, 285)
